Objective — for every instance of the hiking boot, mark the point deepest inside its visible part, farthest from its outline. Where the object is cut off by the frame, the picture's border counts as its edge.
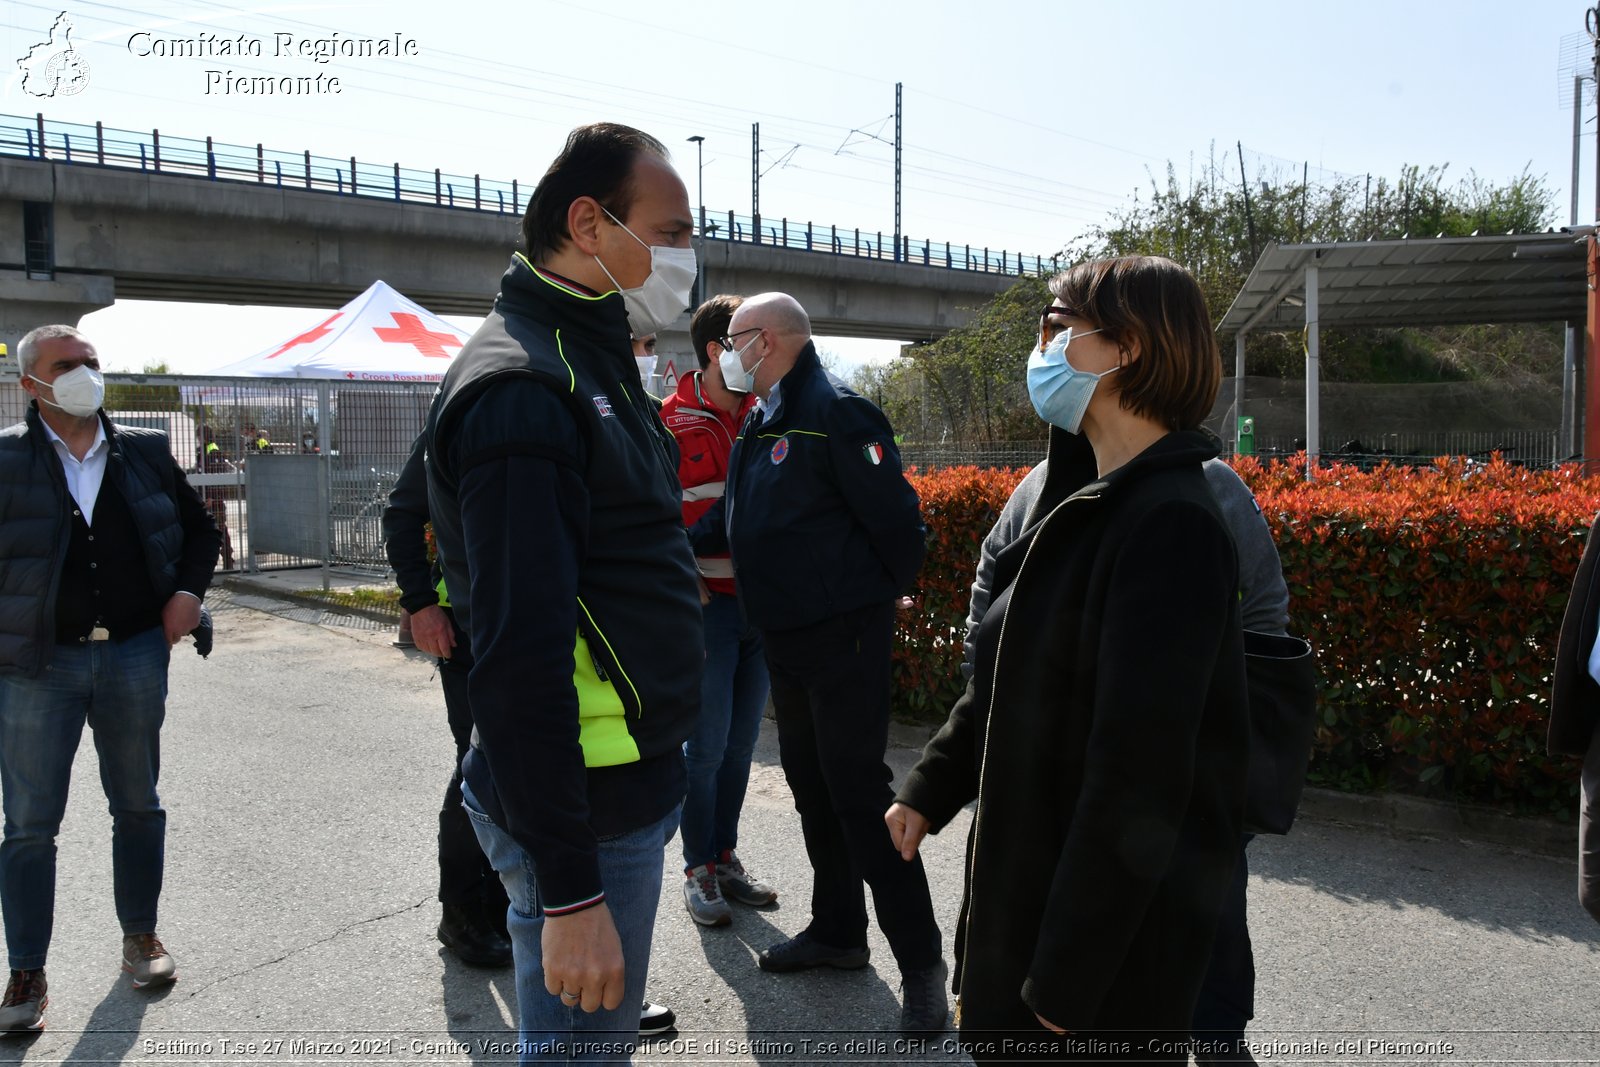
(923, 1002)
(702, 897)
(471, 935)
(147, 959)
(739, 884)
(22, 1010)
(655, 1019)
(802, 951)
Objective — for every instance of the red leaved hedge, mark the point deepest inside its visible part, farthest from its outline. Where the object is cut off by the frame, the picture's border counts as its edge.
(1433, 597)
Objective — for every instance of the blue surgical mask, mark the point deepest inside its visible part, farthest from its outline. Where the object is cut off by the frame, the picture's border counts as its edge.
(1061, 392)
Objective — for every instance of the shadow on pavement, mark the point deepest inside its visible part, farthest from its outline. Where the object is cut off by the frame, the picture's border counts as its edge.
(781, 1011)
(473, 999)
(1529, 895)
(113, 1028)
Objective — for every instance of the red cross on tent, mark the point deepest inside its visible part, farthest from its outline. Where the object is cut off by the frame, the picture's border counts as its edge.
(380, 336)
(314, 334)
(409, 330)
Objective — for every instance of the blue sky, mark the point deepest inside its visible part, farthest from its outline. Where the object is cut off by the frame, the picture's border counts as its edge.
(1025, 123)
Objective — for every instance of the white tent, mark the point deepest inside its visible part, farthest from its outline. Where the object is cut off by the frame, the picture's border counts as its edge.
(380, 336)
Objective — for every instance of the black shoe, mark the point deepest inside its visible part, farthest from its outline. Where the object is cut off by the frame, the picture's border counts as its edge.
(923, 1002)
(493, 904)
(656, 1019)
(802, 951)
(465, 931)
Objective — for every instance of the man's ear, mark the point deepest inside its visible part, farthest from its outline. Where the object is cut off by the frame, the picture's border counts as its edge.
(584, 220)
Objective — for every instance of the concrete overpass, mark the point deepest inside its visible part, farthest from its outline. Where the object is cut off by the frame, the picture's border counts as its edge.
(81, 226)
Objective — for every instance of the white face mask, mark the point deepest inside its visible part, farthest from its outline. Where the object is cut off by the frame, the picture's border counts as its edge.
(79, 391)
(731, 363)
(664, 296)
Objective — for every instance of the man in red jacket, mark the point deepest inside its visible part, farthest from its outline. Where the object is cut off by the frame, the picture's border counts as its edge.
(705, 416)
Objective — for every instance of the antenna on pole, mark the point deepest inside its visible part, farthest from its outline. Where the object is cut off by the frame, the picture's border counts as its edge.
(755, 179)
(898, 145)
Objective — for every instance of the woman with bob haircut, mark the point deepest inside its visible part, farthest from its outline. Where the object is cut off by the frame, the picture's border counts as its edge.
(1105, 730)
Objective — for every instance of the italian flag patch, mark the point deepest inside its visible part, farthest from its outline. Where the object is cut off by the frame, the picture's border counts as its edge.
(874, 453)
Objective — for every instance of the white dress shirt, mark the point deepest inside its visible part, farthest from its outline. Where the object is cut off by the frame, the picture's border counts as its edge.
(83, 476)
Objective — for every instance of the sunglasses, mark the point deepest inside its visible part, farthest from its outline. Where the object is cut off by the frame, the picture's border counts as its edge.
(1048, 331)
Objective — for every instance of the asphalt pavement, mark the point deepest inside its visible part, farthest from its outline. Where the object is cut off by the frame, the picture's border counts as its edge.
(303, 768)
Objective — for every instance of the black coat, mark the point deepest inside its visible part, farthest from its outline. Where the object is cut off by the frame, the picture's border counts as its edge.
(1575, 698)
(1105, 736)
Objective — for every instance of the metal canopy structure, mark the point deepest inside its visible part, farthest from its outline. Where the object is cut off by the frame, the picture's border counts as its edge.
(1531, 277)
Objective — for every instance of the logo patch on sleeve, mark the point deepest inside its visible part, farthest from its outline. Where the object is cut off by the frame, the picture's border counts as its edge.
(873, 452)
(602, 404)
(780, 451)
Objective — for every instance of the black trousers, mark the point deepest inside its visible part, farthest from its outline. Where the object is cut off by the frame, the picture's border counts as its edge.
(1228, 996)
(830, 689)
(465, 875)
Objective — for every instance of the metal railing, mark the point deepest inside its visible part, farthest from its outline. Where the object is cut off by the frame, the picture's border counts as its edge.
(210, 160)
(1528, 448)
(1538, 449)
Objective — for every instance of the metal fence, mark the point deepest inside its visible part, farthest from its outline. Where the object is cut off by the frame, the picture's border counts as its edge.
(928, 457)
(1529, 448)
(211, 160)
(296, 472)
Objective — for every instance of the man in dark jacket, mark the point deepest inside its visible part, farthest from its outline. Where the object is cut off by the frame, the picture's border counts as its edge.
(826, 534)
(105, 553)
(554, 494)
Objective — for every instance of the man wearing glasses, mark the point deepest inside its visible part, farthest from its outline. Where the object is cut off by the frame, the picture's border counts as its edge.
(825, 534)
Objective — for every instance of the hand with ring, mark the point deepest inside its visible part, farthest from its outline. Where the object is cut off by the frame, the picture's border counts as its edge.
(569, 998)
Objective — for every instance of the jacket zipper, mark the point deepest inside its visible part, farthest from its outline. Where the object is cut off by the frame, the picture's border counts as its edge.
(596, 640)
(988, 725)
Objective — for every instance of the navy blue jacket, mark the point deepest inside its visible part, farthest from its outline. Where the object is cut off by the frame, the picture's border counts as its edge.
(817, 514)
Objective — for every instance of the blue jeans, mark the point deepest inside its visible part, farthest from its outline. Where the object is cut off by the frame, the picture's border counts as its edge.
(733, 694)
(630, 870)
(120, 689)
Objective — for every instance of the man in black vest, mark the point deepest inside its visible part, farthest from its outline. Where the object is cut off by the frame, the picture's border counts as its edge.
(106, 553)
(553, 488)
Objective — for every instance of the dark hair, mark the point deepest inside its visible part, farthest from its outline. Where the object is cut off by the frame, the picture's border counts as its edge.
(1154, 303)
(597, 161)
(710, 323)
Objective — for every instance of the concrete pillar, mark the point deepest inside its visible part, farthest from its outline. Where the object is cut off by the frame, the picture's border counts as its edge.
(26, 303)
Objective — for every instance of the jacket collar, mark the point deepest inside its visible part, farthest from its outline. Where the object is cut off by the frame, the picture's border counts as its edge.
(806, 365)
(691, 397)
(1072, 469)
(545, 297)
(42, 433)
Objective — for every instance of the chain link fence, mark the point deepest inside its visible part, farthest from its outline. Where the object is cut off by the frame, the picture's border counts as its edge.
(296, 472)
(1528, 448)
